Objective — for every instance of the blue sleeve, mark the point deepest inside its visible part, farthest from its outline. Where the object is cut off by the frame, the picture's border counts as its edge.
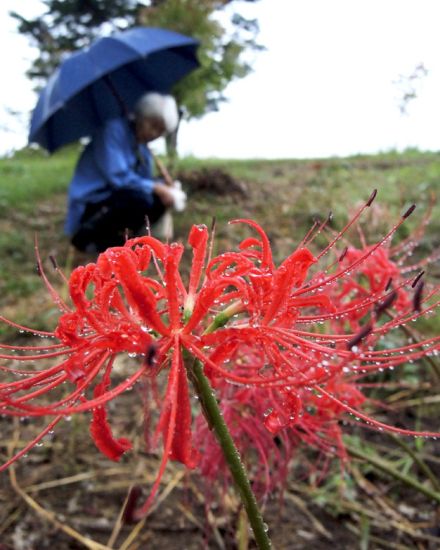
(115, 160)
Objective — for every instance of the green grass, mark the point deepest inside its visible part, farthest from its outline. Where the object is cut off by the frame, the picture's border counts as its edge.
(402, 178)
(32, 176)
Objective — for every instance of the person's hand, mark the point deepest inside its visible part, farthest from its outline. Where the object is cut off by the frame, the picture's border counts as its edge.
(179, 196)
(165, 194)
(171, 195)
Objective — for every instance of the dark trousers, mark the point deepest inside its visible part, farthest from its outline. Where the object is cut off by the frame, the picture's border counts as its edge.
(106, 223)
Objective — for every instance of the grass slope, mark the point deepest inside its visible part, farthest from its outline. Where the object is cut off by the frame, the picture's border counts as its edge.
(285, 196)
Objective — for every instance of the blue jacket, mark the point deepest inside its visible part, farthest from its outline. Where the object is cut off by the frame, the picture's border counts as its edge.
(108, 162)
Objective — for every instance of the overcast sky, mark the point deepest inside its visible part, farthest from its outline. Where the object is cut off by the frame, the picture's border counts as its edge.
(325, 86)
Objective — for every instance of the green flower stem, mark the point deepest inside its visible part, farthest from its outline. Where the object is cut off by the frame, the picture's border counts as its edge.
(215, 420)
(223, 317)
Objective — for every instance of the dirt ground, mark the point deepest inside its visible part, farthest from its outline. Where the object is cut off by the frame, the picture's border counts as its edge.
(65, 495)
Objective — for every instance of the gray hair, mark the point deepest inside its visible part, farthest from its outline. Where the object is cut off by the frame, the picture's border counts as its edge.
(160, 106)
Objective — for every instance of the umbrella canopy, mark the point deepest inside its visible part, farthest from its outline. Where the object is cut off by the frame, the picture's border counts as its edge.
(91, 84)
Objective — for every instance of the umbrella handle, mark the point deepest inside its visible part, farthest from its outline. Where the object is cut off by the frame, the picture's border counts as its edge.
(117, 96)
(163, 170)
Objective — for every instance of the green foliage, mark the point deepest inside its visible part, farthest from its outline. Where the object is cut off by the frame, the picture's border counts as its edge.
(220, 52)
(68, 25)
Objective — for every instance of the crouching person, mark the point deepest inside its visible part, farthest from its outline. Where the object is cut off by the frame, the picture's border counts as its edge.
(112, 189)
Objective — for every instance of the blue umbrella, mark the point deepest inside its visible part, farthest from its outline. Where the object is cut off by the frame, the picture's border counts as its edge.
(99, 82)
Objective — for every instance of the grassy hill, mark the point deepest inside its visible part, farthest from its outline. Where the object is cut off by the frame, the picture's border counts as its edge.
(284, 196)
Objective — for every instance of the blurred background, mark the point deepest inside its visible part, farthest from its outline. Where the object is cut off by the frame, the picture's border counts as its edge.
(327, 78)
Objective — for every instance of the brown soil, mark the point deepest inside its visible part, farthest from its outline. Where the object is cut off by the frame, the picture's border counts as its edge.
(65, 484)
(211, 180)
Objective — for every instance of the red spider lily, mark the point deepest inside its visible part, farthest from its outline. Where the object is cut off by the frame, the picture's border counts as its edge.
(266, 457)
(267, 329)
(380, 275)
(258, 418)
(386, 270)
(327, 384)
(277, 304)
(125, 314)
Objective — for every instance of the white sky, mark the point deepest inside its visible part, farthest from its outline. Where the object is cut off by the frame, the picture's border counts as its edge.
(324, 86)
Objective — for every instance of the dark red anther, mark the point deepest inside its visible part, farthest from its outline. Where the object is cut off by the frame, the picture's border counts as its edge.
(357, 338)
(389, 284)
(151, 354)
(388, 302)
(418, 294)
(417, 279)
(372, 197)
(344, 253)
(409, 211)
